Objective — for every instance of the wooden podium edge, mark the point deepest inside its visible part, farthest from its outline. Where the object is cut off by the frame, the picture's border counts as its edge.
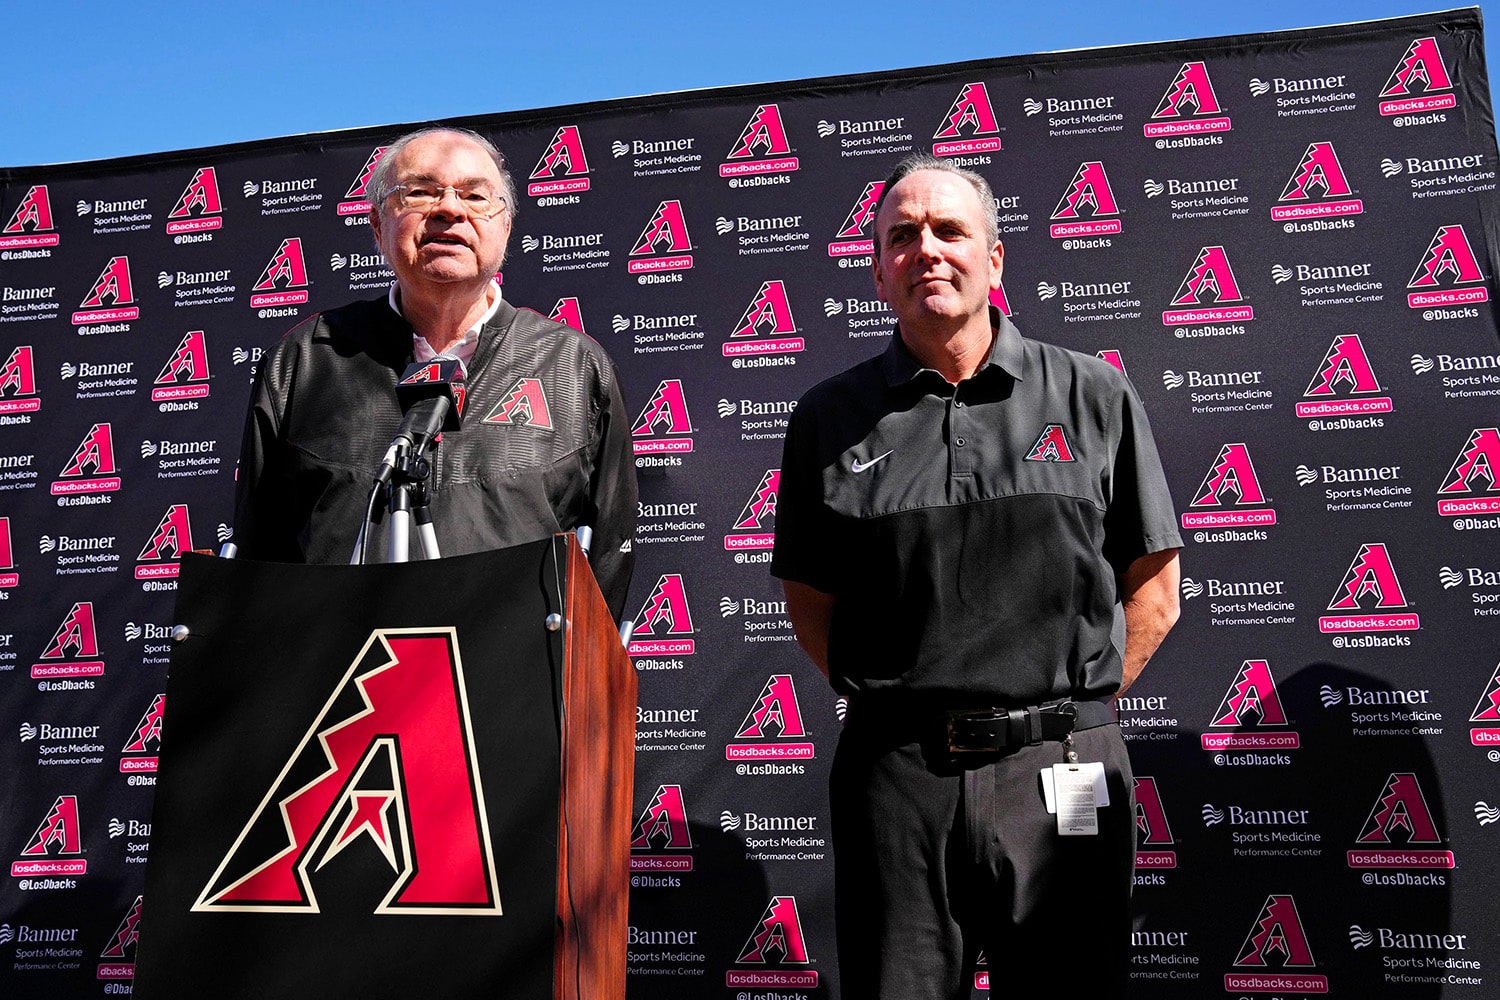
(597, 781)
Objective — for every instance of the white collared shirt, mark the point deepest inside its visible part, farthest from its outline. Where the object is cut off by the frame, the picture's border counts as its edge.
(464, 349)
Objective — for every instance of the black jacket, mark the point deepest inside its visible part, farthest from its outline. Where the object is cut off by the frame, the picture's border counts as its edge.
(545, 444)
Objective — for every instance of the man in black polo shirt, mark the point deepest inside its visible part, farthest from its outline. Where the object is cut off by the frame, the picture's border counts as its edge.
(959, 521)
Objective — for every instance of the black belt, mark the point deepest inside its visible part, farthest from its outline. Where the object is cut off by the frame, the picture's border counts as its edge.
(989, 730)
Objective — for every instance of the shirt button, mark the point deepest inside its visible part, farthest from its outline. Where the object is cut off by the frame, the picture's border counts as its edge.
(959, 442)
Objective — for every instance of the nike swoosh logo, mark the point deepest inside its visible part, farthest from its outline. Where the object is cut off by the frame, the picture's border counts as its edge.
(858, 466)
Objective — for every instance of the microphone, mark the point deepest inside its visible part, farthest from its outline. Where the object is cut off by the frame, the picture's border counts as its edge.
(431, 394)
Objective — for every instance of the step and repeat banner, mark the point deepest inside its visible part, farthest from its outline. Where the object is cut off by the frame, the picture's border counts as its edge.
(1286, 241)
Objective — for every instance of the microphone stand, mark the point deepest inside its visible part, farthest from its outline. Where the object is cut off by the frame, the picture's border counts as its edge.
(406, 499)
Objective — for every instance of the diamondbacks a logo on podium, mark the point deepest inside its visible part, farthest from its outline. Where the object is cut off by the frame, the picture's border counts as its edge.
(18, 385)
(356, 200)
(1251, 703)
(1088, 206)
(284, 281)
(1209, 293)
(854, 236)
(198, 208)
(969, 126)
(661, 834)
(776, 949)
(775, 715)
(92, 468)
(1230, 477)
(1475, 470)
(1153, 835)
(73, 650)
(1369, 598)
(664, 427)
(1318, 188)
(664, 244)
(523, 405)
(173, 536)
(1486, 715)
(1400, 831)
(56, 846)
(30, 225)
(1420, 82)
(389, 764)
(563, 168)
(185, 375)
(1051, 445)
(117, 960)
(1344, 383)
(1448, 273)
(766, 326)
(1277, 940)
(139, 754)
(664, 626)
(1189, 106)
(762, 147)
(110, 299)
(755, 527)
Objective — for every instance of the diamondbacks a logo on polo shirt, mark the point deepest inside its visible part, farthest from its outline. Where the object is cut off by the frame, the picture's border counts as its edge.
(664, 426)
(525, 403)
(1476, 468)
(34, 213)
(185, 375)
(969, 126)
(563, 168)
(54, 848)
(118, 956)
(1418, 81)
(1318, 188)
(1051, 445)
(1088, 206)
(198, 208)
(662, 827)
(1448, 261)
(18, 384)
(389, 758)
(775, 940)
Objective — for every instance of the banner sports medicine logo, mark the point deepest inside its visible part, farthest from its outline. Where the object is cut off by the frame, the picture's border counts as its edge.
(1252, 702)
(1189, 106)
(775, 714)
(1448, 261)
(563, 168)
(755, 527)
(56, 846)
(767, 319)
(30, 225)
(1420, 71)
(762, 147)
(667, 609)
(385, 772)
(662, 835)
(775, 943)
(665, 414)
(1369, 583)
(1277, 940)
(969, 126)
(1231, 475)
(197, 210)
(1478, 462)
(1399, 826)
(1089, 192)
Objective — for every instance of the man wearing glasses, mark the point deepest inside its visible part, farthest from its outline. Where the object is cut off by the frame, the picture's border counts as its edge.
(545, 444)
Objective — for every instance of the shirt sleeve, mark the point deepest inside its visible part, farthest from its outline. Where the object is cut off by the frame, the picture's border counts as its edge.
(1140, 518)
(612, 492)
(804, 535)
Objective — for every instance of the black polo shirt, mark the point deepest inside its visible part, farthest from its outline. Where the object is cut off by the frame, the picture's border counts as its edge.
(973, 534)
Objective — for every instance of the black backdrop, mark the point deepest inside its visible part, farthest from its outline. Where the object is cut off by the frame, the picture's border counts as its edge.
(1287, 241)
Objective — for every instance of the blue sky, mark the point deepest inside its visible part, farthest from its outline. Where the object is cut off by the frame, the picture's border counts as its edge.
(85, 80)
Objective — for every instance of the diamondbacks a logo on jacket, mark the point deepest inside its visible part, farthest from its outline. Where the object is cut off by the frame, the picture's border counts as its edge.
(1051, 445)
(524, 404)
(393, 766)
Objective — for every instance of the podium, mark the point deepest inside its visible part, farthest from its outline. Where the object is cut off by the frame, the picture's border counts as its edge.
(403, 780)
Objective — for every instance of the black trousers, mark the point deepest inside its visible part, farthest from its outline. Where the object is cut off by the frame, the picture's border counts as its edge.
(938, 859)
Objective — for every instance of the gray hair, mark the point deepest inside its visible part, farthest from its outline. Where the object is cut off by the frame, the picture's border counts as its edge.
(926, 161)
(381, 178)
